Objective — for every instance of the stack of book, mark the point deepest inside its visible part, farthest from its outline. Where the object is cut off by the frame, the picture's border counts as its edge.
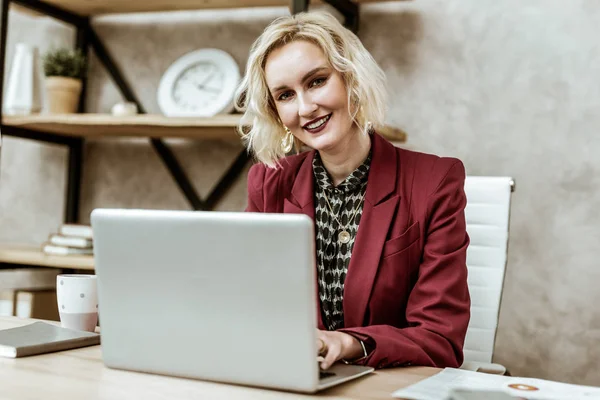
(71, 239)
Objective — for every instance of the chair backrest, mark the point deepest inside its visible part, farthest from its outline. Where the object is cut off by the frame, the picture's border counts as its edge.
(487, 214)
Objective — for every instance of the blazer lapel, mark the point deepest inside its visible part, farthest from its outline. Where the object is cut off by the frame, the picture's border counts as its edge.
(378, 211)
(301, 198)
(301, 201)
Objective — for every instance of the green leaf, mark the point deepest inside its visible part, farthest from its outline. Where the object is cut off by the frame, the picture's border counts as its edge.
(65, 62)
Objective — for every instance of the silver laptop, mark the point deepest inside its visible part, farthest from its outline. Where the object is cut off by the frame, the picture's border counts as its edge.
(226, 297)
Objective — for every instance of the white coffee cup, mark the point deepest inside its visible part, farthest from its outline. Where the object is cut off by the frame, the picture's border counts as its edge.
(77, 297)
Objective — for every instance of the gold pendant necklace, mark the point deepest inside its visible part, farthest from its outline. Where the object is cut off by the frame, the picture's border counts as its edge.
(344, 236)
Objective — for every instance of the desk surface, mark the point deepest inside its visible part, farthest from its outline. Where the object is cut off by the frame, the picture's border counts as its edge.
(80, 373)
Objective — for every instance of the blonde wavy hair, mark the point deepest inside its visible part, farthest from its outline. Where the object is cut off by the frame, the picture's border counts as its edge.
(261, 128)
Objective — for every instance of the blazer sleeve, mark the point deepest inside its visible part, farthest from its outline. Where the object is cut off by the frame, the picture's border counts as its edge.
(438, 308)
(256, 177)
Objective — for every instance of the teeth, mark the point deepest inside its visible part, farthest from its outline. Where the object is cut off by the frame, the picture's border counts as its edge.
(318, 123)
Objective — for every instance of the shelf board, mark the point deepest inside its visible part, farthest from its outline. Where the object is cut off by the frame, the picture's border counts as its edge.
(99, 7)
(33, 256)
(144, 125)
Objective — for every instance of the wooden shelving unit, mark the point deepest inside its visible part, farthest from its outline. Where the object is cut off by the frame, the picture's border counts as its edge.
(145, 125)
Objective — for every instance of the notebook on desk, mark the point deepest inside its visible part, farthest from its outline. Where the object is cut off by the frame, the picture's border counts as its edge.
(42, 337)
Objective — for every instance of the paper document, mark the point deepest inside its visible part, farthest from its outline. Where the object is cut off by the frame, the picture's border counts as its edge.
(438, 387)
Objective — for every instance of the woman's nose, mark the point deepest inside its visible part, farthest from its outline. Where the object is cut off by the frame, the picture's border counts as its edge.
(306, 107)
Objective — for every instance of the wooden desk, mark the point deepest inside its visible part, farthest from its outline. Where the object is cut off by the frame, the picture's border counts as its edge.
(80, 374)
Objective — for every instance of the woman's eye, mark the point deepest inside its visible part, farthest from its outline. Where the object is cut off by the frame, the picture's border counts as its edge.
(284, 96)
(318, 82)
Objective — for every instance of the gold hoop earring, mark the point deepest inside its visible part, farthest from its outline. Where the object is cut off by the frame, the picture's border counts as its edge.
(287, 143)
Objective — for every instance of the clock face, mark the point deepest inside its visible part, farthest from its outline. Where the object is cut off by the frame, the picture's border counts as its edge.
(199, 84)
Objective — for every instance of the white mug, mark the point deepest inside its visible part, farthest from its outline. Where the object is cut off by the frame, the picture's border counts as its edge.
(77, 297)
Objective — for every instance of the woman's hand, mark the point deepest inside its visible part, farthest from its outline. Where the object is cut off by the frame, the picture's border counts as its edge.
(334, 346)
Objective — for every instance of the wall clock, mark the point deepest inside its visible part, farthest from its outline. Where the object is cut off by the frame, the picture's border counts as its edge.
(199, 84)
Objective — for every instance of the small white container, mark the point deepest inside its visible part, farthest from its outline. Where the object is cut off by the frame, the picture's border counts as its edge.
(77, 298)
(23, 92)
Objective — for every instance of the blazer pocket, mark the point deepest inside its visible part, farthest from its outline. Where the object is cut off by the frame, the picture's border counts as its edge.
(401, 242)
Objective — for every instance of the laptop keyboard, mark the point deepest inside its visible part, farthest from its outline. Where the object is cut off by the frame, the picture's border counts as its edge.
(324, 374)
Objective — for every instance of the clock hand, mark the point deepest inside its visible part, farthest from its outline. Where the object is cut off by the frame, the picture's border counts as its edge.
(209, 77)
(203, 87)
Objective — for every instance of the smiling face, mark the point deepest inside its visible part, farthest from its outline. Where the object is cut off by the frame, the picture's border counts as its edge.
(309, 95)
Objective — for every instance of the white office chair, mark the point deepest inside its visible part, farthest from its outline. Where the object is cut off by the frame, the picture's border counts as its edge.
(487, 214)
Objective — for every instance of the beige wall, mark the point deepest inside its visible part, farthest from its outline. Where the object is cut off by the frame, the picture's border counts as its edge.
(511, 88)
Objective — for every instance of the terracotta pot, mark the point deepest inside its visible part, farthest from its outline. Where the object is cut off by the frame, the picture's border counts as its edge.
(62, 94)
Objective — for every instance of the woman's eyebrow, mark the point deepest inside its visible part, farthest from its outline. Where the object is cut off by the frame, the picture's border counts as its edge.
(304, 78)
(312, 72)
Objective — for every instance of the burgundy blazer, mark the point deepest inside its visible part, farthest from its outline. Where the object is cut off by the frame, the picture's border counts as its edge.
(406, 291)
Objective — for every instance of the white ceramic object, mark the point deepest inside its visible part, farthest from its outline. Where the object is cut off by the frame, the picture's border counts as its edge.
(199, 84)
(77, 297)
(124, 109)
(24, 86)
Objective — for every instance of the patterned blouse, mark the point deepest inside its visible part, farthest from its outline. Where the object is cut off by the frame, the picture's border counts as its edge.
(337, 214)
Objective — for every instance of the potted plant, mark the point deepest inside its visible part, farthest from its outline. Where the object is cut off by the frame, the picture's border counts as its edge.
(64, 70)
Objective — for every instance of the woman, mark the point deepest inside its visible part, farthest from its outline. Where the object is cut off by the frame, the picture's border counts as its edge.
(390, 228)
